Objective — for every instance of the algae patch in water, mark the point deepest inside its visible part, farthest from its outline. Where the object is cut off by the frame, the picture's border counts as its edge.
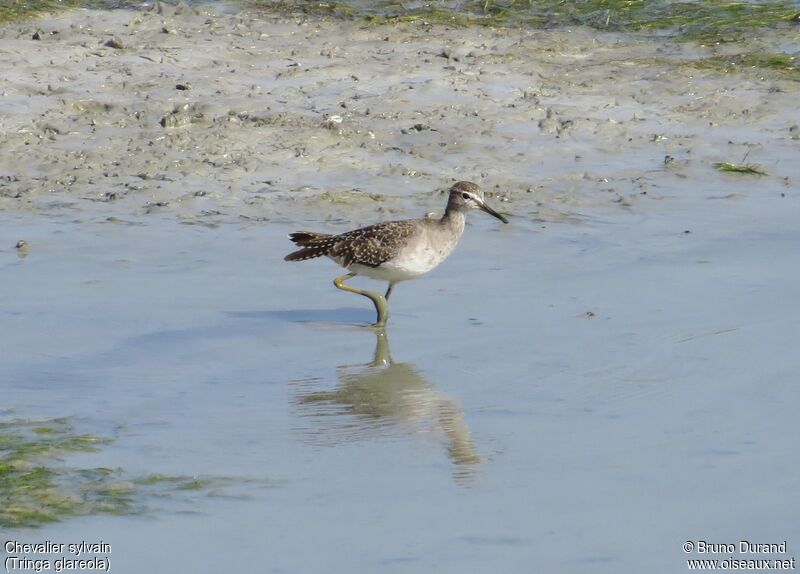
(746, 168)
(37, 487)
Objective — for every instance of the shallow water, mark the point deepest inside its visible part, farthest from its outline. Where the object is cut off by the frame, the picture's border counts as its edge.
(576, 397)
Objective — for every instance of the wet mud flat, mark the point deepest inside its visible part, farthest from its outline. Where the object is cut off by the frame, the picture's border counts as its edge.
(210, 116)
(563, 391)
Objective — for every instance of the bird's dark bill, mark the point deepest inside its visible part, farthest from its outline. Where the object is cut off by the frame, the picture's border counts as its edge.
(492, 212)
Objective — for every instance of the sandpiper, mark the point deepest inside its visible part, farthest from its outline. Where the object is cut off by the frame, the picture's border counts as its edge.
(394, 251)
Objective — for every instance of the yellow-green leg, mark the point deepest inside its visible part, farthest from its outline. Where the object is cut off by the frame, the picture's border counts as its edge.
(381, 305)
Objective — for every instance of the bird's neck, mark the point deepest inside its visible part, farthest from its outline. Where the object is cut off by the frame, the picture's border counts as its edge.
(453, 219)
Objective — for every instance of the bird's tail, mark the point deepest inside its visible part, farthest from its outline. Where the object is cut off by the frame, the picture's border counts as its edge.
(313, 244)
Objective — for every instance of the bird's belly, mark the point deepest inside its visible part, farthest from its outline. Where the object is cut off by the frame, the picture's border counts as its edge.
(408, 264)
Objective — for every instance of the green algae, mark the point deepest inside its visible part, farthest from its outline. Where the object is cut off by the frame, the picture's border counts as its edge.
(707, 21)
(20, 9)
(31, 492)
(37, 487)
(745, 168)
(782, 64)
(178, 482)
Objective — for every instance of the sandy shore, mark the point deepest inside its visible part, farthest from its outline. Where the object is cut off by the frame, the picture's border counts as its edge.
(212, 115)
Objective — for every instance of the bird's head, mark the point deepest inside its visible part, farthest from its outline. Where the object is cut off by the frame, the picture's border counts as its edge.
(467, 195)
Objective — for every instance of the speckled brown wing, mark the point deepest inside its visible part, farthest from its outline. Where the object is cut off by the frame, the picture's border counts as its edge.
(369, 246)
(372, 245)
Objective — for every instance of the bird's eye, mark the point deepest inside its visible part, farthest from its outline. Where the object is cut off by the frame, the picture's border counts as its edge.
(465, 195)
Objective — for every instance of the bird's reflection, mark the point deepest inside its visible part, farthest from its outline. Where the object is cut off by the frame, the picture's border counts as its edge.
(383, 398)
